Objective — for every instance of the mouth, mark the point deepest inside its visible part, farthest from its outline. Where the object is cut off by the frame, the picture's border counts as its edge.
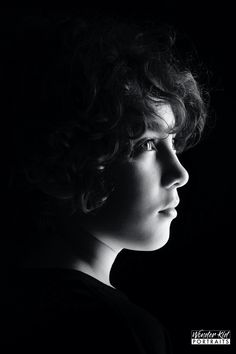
(169, 212)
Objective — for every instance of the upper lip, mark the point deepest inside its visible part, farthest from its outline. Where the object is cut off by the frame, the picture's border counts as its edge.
(173, 204)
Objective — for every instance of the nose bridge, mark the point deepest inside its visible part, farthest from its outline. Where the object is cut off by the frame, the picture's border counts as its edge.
(174, 173)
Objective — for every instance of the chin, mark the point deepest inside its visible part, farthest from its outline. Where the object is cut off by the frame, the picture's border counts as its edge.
(158, 243)
(151, 241)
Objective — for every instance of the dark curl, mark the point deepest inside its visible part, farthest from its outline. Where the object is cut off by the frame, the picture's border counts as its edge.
(116, 75)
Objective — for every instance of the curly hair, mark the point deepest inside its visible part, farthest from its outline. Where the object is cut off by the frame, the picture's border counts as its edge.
(115, 75)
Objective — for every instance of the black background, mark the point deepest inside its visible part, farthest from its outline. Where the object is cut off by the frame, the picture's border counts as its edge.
(188, 283)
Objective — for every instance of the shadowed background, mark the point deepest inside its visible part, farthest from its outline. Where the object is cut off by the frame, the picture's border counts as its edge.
(188, 284)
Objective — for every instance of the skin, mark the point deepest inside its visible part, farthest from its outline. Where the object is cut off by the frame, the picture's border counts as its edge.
(133, 216)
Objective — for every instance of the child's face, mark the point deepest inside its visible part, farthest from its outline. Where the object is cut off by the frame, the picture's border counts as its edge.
(134, 216)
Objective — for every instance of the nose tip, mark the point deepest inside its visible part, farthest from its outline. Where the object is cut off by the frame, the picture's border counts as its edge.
(176, 175)
(184, 177)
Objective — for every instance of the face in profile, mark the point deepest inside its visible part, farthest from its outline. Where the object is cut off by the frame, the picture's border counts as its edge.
(139, 212)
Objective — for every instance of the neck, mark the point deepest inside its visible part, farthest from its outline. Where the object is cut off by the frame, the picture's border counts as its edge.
(98, 266)
(82, 252)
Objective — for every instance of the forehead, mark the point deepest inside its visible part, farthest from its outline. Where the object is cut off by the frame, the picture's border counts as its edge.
(165, 120)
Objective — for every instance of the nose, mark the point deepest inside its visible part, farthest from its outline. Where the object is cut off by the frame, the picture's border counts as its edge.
(174, 174)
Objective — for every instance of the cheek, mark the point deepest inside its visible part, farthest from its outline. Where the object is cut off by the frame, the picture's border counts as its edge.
(140, 180)
(140, 225)
(130, 214)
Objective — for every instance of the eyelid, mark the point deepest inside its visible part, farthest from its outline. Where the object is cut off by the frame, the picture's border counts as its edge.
(140, 144)
(145, 140)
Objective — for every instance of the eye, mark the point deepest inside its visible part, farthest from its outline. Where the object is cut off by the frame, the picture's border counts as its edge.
(177, 145)
(174, 145)
(149, 145)
(145, 146)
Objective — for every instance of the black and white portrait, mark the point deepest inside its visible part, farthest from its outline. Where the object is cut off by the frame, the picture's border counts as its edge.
(118, 142)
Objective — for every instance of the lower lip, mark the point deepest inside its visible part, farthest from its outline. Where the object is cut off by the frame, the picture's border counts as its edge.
(171, 213)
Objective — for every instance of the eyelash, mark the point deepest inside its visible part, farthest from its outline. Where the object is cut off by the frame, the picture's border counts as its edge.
(145, 145)
(150, 145)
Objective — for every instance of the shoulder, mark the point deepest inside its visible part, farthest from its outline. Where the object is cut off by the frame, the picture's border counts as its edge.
(70, 309)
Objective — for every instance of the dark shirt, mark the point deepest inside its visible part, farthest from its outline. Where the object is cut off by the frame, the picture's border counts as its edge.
(71, 311)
